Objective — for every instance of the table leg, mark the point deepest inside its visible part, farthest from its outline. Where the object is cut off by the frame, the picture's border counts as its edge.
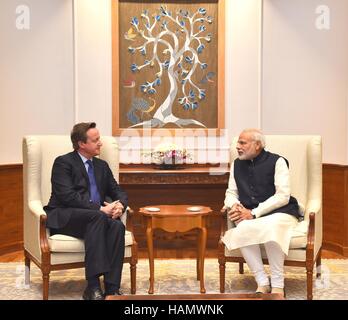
(203, 241)
(149, 239)
(199, 250)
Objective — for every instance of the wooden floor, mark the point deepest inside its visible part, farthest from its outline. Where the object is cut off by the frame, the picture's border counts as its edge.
(18, 256)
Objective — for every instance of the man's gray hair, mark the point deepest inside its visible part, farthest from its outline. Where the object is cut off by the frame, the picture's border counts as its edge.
(258, 136)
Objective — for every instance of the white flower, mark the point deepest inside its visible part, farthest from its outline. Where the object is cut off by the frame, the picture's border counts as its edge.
(168, 153)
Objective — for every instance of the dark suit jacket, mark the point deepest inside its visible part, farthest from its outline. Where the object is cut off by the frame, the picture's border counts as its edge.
(70, 188)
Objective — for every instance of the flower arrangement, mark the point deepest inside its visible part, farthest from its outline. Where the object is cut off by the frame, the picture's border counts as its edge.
(168, 155)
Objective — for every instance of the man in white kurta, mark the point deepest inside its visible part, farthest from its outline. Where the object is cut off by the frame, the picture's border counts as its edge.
(261, 208)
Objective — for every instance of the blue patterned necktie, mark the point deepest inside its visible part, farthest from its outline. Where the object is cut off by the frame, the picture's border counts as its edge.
(94, 193)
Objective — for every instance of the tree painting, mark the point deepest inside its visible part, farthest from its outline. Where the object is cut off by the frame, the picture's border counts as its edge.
(171, 45)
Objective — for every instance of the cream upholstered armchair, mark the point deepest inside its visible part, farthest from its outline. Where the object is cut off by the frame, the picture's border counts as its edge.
(58, 252)
(305, 163)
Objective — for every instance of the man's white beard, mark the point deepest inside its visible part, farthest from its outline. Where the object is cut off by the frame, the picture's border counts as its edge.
(244, 156)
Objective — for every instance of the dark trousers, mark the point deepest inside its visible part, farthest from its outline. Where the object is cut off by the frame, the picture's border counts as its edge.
(104, 242)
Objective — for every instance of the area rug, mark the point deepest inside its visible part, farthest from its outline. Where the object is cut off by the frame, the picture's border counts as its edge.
(174, 277)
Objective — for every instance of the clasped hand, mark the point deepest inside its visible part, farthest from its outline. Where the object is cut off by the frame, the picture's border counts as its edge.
(238, 213)
(113, 209)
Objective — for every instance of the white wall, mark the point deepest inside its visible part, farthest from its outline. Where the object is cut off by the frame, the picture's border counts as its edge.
(305, 73)
(243, 31)
(36, 74)
(93, 62)
(282, 74)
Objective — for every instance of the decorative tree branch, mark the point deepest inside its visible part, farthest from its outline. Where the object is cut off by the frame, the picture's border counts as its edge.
(180, 65)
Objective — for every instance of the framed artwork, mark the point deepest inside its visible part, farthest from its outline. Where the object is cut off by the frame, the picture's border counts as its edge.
(167, 66)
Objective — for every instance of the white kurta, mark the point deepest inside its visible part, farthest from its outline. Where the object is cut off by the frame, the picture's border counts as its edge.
(275, 227)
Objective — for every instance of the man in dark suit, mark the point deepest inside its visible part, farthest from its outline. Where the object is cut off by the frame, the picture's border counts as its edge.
(81, 184)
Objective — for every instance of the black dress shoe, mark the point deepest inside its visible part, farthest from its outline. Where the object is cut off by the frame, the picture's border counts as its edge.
(115, 293)
(93, 294)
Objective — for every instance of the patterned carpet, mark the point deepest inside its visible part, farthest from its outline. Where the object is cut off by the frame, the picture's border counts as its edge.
(174, 276)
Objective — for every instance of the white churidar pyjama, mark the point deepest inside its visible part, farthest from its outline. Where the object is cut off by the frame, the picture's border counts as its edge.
(275, 255)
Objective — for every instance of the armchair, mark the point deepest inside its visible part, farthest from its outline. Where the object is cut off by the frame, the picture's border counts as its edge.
(59, 252)
(304, 155)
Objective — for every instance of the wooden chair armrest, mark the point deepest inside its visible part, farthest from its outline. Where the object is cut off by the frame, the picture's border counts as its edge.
(129, 222)
(223, 210)
(310, 237)
(311, 229)
(45, 249)
(223, 221)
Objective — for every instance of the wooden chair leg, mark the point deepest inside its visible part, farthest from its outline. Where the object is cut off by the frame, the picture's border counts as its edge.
(133, 267)
(45, 284)
(222, 269)
(241, 268)
(318, 264)
(133, 274)
(27, 271)
(309, 283)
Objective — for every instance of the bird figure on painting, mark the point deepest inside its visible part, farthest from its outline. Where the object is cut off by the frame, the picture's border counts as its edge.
(208, 77)
(130, 35)
(140, 104)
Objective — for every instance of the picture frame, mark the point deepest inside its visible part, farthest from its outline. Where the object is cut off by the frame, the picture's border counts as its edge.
(168, 65)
